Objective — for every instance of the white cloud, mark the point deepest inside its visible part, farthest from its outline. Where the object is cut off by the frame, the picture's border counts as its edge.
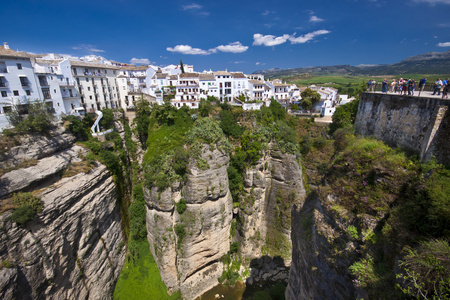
(447, 44)
(267, 12)
(144, 61)
(260, 63)
(89, 48)
(433, 2)
(235, 47)
(192, 6)
(269, 40)
(186, 49)
(238, 62)
(315, 19)
(307, 37)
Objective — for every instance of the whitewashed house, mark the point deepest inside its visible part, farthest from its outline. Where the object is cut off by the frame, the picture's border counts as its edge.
(187, 91)
(96, 83)
(240, 84)
(208, 85)
(55, 87)
(225, 85)
(18, 83)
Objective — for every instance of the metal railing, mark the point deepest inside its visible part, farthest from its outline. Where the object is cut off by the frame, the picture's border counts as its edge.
(378, 87)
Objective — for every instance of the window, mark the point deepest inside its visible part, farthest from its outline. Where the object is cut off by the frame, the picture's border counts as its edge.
(28, 92)
(24, 81)
(19, 66)
(4, 94)
(87, 79)
(16, 93)
(46, 93)
(89, 88)
(74, 71)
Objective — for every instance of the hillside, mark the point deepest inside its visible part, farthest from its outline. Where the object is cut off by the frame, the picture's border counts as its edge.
(427, 63)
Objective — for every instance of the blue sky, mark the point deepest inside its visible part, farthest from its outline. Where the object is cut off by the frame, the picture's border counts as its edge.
(234, 35)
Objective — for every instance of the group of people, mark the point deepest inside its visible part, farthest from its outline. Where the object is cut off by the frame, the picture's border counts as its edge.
(408, 86)
(441, 84)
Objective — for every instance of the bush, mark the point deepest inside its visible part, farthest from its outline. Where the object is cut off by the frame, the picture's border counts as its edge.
(28, 199)
(23, 214)
(229, 125)
(107, 119)
(181, 233)
(426, 270)
(319, 143)
(39, 119)
(344, 116)
(77, 127)
(181, 206)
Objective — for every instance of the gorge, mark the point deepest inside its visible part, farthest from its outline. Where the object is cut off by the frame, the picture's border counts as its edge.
(218, 195)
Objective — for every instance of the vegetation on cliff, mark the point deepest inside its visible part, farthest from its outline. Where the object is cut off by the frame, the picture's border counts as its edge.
(392, 208)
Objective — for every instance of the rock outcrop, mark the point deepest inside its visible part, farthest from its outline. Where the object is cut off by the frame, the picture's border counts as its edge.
(272, 187)
(321, 253)
(188, 247)
(73, 249)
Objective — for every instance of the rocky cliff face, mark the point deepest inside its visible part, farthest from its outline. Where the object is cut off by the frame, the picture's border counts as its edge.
(272, 187)
(187, 247)
(321, 253)
(72, 250)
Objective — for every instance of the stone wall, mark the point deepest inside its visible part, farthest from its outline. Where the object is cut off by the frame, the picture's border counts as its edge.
(420, 124)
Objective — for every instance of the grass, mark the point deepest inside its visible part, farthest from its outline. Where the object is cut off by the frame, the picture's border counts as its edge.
(141, 279)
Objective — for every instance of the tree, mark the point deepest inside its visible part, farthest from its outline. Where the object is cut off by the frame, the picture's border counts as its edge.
(309, 98)
(278, 111)
(39, 118)
(344, 116)
(142, 121)
(181, 66)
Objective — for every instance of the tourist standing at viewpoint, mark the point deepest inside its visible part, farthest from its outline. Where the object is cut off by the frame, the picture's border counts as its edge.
(411, 84)
(446, 89)
(384, 86)
(437, 86)
(422, 83)
(392, 87)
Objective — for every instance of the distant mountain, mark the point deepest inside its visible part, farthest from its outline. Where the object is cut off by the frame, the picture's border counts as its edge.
(427, 63)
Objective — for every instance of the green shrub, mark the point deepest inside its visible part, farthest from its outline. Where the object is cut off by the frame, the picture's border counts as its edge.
(23, 199)
(107, 120)
(181, 233)
(320, 142)
(38, 118)
(77, 127)
(234, 247)
(23, 214)
(426, 270)
(353, 232)
(344, 116)
(181, 206)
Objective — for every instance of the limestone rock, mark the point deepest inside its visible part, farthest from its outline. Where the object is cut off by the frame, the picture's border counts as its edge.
(37, 147)
(192, 263)
(71, 251)
(43, 171)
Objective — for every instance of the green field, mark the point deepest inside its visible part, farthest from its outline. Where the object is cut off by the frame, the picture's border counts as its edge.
(141, 279)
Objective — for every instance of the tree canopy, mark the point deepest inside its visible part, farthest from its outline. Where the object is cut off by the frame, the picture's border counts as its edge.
(309, 98)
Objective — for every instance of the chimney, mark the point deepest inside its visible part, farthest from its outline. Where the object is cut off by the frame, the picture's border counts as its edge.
(5, 45)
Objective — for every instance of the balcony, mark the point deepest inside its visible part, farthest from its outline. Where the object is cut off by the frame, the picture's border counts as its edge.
(4, 85)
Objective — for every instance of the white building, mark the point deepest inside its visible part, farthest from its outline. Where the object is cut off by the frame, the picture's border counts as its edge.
(240, 84)
(208, 85)
(224, 82)
(187, 91)
(18, 84)
(279, 90)
(55, 87)
(96, 83)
